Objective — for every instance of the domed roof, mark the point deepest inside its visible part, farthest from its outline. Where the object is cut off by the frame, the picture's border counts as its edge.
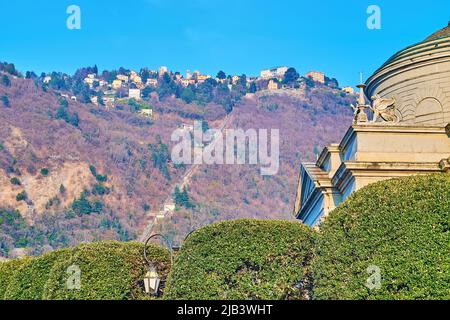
(418, 77)
(445, 32)
(426, 46)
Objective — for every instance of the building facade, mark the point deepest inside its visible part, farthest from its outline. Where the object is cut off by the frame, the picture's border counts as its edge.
(272, 85)
(406, 131)
(316, 76)
(162, 70)
(277, 72)
(348, 90)
(123, 78)
(116, 84)
(134, 94)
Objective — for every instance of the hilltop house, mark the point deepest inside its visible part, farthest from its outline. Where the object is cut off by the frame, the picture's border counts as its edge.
(185, 82)
(348, 90)
(235, 79)
(316, 76)
(277, 72)
(134, 94)
(169, 207)
(47, 79)
(117, 84)
(90, 80)
(152, 82)
(272, 85)
(94, 100)
(148, 113)
(200, 77)
(123, 78)
(163, 70)
(135, 78)
(109, 101)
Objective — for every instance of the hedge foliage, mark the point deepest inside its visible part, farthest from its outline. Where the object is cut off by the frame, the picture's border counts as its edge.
(28, 280)
(7, 270)
(400, 226)
(109, 271)
(244, 259)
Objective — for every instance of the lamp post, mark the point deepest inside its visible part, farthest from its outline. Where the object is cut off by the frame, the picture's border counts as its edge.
(178, 247)
(152, 280)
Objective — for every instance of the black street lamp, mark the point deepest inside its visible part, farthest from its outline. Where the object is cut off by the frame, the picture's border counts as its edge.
(152, 280)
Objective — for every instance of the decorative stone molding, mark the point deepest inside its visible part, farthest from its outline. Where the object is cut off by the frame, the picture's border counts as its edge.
(430, 102)
(445, 165)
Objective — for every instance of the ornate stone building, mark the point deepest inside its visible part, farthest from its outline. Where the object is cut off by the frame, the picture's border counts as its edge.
(408, 132)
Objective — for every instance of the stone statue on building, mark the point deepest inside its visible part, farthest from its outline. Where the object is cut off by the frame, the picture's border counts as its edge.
(359, 112)
(360, 115)
(384, 109)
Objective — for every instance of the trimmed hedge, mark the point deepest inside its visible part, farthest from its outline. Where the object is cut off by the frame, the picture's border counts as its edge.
(29, 279)
(109, 271)
(7, 270)
(400, 226)
(244, 259)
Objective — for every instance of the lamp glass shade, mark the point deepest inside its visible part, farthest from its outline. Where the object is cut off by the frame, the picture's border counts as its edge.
(152, 281)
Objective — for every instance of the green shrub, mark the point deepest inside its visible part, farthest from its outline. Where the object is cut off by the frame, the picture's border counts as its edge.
(100, 190)
(5, 101)
(27, 283)
(98, 176)
(400, 226)
(244, 259)
(5, 81)
(22, 196)
(83, 206)
(93, 170)
(64, 114)
(7, 271)
(63, 102)
(109, 271)
(101, 178)
(44, 171)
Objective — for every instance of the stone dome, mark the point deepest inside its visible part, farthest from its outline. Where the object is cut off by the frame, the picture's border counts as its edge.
(418, 77)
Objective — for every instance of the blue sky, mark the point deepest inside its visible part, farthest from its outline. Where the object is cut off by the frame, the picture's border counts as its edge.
(237, 36)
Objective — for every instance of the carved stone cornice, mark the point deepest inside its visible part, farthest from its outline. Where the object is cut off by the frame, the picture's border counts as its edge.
(445, 165)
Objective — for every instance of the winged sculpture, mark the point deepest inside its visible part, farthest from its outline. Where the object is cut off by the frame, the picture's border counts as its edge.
(385, 109)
